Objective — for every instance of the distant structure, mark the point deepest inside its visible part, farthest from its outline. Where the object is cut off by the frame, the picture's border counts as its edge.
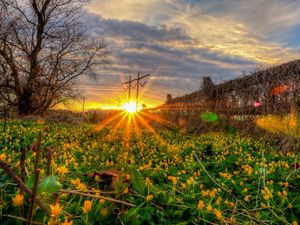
(275, 90)
(169, 98)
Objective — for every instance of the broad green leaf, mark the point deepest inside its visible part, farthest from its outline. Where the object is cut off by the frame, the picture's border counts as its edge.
(49, 185)
(209, 117)
(138, 182)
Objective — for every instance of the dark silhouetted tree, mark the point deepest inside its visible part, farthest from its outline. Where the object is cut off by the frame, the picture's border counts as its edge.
(43, 49)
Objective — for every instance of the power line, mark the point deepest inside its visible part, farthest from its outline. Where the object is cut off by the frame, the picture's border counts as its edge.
(138, 84)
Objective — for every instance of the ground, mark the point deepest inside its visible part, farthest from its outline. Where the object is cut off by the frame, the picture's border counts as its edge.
(159, 177)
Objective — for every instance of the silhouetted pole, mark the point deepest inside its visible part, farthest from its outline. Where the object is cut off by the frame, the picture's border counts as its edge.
(137, 92)
(83, 102)
(129, 89)
(138, 79)
(138, 87)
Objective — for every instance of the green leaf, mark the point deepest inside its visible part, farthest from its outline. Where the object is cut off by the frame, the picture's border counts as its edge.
(131, 216)
(29, 182)
(138, 182)
(183, 223)
(49, 185)
(209, 117)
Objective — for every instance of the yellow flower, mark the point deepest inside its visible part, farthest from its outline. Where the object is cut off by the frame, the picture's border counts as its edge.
(246, 198)
(104, 212)
(18, 200)
(284, 193)
(218, 214)
(148, 182)
(87, 206)
(127, 177)
(126, 191)
(219, 201)
(294, 222)
(82, 187)
(75, 182)
(2, 156)
(183, 185)
(231, 204)
(40, 121)
(205, 193)
(263, 205)
(55, 209)
(66, 222)
(96, 191)
(62, 170)
(173, 179)
(209, 208)
(200, 205)
(102, 201)
(149, 198)
(97, 178)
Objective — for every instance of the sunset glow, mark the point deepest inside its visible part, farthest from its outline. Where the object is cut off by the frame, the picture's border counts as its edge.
(130, 107)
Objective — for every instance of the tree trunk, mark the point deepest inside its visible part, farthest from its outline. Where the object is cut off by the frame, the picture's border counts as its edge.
(25, 104)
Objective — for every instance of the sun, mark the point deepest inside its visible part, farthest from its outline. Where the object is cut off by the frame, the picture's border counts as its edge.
(130, 107)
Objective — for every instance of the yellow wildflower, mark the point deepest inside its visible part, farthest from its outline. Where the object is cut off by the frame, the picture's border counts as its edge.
(40, 121)
(183, 185)
(149, 198)
(246, 198)
(200, 205)
(219, 201)
(75, 182)
(2, 156)
(66, 222)
(55, 209)
(97, 178)
(87, 206)
(18, 200)
(104, 212)
(62, 170)
(218, 214)
(263, 205)
(209, 208)
(126, 191)
(284, 193)
(148, 182)
(127, 177)
(82, 187)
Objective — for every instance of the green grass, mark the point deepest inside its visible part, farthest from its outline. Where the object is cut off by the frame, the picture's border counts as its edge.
(245, 181)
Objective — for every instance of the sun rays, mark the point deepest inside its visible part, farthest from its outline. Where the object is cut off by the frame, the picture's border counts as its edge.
(131, 122)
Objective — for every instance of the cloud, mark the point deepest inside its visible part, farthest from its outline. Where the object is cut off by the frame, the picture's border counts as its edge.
(239, 28)
(180, 41)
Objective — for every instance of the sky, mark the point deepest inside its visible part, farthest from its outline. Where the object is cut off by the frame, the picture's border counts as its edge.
(180, 41)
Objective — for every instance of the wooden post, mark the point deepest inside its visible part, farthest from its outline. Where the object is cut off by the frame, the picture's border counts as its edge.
(36, 179)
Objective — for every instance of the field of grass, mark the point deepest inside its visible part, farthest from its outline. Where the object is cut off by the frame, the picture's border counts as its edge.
(165, 177)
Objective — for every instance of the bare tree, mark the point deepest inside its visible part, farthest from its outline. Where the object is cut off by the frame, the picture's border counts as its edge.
(43, 49)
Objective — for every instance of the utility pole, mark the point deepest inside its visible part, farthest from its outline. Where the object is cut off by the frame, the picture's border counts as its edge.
(83, 102)
(137, 91)
(138, 79)
(129, 88)
(138, 88)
